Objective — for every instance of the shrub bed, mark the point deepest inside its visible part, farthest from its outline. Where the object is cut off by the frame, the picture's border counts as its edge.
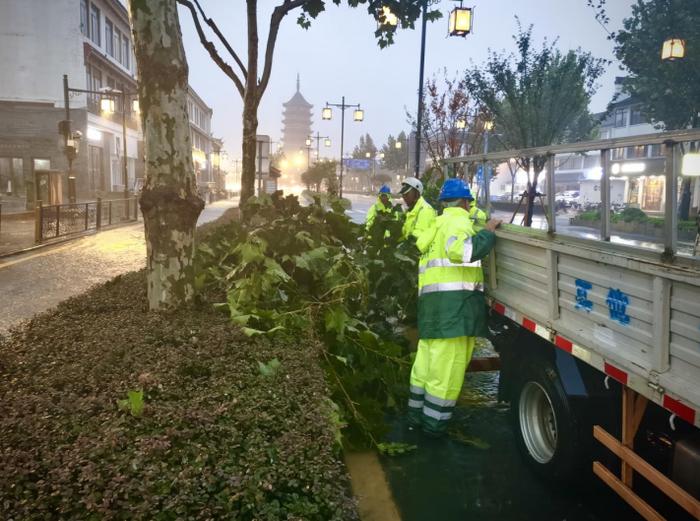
(109, 411)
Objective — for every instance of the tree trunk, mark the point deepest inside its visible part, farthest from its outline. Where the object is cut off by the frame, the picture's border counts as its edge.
(250, 129)
(170, 202)
(538, 165)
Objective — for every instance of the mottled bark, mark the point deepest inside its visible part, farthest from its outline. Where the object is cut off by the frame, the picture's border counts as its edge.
(169, 201)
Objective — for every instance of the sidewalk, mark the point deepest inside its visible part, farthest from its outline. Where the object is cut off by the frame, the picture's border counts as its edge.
(36, 281)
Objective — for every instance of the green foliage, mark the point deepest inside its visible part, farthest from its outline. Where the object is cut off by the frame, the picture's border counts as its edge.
(364, 147)
(669, 91)
(217, 439)
(523, 91)
(396, 159)
(270, 368)
(309, 273)
(319, 173)
(133, 403)
(395, 449)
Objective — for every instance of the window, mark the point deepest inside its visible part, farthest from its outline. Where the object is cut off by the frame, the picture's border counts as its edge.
(117, 45)
(636, 117)
(620, 118)
(109, 37)
(12, 176)
(618, 153)
(636, 152)
(657, 151)
(84, 17)
(125, 51)
(95, 32)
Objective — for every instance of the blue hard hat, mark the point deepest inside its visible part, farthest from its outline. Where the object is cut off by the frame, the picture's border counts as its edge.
(454, 189)
(385, 190)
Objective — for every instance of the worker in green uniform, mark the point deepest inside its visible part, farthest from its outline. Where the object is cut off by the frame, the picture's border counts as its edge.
(420, 215)
(451, 307)
(476, 214)
(383, 205)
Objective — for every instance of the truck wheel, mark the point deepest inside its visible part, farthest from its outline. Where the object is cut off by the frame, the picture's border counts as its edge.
(545, 427)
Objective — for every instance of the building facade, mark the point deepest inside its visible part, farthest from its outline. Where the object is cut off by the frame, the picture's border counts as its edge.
(200, 115)
(89, 42)
(641, 168)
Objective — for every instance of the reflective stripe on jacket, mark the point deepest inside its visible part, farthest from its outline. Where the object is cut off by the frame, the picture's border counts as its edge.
(450, 280)
(418, 219)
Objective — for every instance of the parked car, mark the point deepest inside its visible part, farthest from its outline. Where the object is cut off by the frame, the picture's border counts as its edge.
(569, 198)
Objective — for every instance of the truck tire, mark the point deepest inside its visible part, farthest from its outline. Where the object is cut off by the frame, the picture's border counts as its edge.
(544, 423)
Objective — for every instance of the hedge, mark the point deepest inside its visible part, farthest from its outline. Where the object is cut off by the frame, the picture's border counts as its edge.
(109, 411)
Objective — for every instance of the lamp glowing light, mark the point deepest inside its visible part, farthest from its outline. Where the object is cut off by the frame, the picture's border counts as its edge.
(327, 142)
(326, 113)
(461, 123)
(460, 21)
(488, 125)
(673, 49)
(398, 145)
(358, 115)
(107, 105)
(389, 17)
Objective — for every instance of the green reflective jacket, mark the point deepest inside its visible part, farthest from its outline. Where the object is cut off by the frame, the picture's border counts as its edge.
(477, 215)
(450, 280)
(373, 210)
(418, 219)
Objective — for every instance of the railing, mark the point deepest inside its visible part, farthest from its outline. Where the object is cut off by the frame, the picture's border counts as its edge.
(63, 220)
(674, 144)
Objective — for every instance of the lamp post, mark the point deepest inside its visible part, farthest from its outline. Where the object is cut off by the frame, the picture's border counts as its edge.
(318, 137)
(358, 115)
(460, 24)
(107, 98)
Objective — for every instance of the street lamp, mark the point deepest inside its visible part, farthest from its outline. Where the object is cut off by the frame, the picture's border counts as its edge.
(107, 105)
(460, 21)
(358, 115)
(673, 49)
(327, 142)
(318, 137)
(461, 123)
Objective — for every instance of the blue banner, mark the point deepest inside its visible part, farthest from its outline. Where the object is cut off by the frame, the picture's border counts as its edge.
(358, 164)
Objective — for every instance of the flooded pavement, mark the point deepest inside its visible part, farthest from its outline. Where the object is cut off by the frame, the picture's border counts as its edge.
(476, 472)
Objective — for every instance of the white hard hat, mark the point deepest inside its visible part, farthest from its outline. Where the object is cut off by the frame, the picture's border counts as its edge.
(411, 182)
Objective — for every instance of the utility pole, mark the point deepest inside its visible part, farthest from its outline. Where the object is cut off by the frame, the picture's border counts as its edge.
(358, 116)
(419, 118)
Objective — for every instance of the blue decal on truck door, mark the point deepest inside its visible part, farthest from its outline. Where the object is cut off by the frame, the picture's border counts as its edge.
(617, 303)
(582, 302)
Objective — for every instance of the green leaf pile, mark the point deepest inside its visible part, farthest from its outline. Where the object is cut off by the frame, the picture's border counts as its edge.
(309, 273)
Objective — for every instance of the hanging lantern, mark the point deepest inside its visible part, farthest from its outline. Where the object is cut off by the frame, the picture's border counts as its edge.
(327, 142)
(488, 125)
(460, 21)
(673, 49)
(461, 123)
(358, 115)
(398, 145)
(326, 113)
(389, 17)
(308, 141)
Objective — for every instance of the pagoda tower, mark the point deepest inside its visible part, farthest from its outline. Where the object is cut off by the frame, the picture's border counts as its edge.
(296, 124)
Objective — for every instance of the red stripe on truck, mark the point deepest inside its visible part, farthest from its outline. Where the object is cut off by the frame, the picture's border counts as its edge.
(529, 324)
(679, 409)
(617, 374)
(563, 344)
(499, 308)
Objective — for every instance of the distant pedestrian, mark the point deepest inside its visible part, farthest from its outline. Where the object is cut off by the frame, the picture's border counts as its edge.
(382, 206)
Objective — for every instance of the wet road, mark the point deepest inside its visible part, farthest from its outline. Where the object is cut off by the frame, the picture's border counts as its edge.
(38, 280)
(476, 473)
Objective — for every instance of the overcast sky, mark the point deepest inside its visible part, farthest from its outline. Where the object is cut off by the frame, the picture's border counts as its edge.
(339, 56)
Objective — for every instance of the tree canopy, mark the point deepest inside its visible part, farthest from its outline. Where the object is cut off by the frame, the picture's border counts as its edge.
(364, 147)
(538, 97)
(668, 90)
(395, 159)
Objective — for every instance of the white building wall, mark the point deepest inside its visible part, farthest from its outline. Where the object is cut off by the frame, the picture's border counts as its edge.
(40, 41)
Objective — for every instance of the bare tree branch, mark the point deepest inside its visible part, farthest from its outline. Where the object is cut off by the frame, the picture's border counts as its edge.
(209, 46)
(275, 20)
(211, 23)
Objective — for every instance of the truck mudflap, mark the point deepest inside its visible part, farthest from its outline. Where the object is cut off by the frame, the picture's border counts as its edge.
(613, 369)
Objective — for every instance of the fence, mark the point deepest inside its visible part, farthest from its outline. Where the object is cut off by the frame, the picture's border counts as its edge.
(62, 220)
